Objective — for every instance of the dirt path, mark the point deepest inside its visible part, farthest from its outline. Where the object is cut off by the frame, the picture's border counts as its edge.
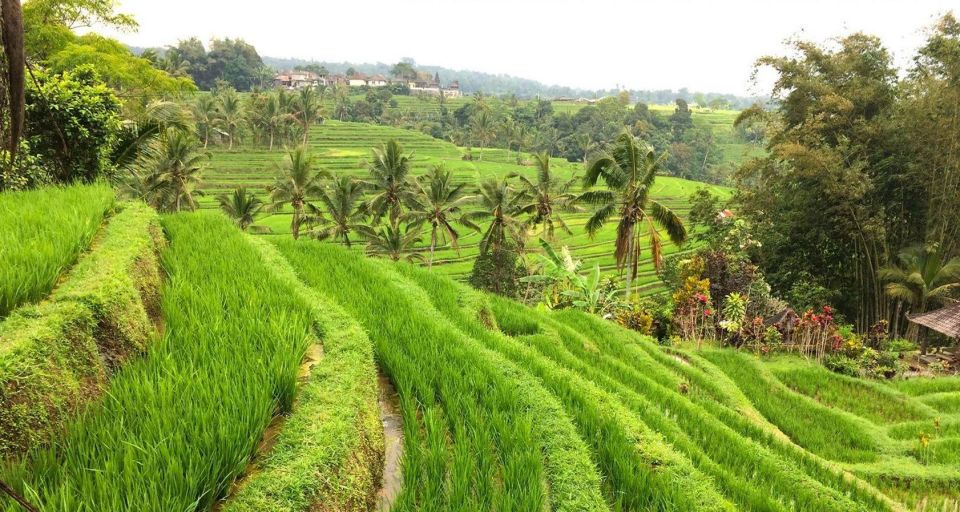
(393, 445)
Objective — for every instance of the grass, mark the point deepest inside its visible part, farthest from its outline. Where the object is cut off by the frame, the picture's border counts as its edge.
(179, 424)
(42, 232)
(57, 356)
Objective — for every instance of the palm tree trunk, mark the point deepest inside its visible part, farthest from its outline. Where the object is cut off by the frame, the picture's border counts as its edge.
(295, 223)
(481, 152)
(433, 245)
(306, 132)
(271, 139)
(629, 263)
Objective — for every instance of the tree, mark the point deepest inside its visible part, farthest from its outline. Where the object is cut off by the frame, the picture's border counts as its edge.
(73, 124)
(343, 200)
(242, 206)
(231, 113)
(437, 202)
(174, 166)
(629, 170)
(498, 270)
(392, 242)
(681, 120)
(389, 180)
(206, 115)
(308, 109)
(498, 203)
(404, 69)
(544, 198)
(341, 101)
(295, 185)
(922, 278)
(483, 129)
(11, 28)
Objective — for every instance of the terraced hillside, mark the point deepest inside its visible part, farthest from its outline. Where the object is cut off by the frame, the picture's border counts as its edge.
(259, 392)
(342, 148)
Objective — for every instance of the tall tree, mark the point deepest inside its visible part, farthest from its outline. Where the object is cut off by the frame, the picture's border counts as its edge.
(439, 202)
(206, 115)
(629, 170)
(483, 128)
(389, 179)
(343, 202)
(545, 198)
(308, 109)
(296, 184)
(498, 202)
(174, 166)
(231, 113)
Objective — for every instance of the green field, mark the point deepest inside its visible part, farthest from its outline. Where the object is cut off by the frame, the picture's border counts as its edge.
(252, 387)
(342, 148)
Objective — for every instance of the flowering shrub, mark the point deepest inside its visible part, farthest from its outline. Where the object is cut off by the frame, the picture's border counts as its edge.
(693, 314)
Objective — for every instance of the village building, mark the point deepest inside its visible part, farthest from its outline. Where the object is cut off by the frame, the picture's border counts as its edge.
(296, 79)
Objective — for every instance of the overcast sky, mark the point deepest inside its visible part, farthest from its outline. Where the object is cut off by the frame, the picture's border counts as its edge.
(699, 44)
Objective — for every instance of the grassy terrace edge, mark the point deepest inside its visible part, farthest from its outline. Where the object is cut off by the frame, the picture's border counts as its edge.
(58, 355)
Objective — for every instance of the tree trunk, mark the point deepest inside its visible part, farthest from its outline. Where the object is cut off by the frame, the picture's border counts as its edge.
(271, 139)
(629, 263)
(433, 245)
(295, 223)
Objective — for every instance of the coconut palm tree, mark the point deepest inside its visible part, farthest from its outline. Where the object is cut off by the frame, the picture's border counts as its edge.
(242, 206)
(341, 100)
(231, 113)
(629, 169)
(308, 109)
(483, 127)
(921, 279)
(206, 116)
(439, 203)
(344, 210)
(389, 179)
(295, 185)
(392, 242)
(498, 203)
(173, 165)
(544, 198)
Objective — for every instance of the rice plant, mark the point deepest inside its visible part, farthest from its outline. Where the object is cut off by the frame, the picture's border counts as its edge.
(178, 425)
(42, 232)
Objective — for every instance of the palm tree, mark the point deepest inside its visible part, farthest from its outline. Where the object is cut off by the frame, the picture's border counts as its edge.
(543, 199)
(436, 201)
(242, 206)
(389, 179)
(392, 242)
(344, 205)
(517, 133)
(174, 171)
(921, 279)
(308, 109)
(629, 170)
(206, 115)
(483, 129)
(498, 202)
(231, 113)
(341, 100)
(296, 183)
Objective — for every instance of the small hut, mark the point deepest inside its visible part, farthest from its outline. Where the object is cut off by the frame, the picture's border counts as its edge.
(945, 320)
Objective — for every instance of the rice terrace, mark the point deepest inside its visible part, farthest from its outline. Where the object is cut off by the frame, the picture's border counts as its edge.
(236, 282)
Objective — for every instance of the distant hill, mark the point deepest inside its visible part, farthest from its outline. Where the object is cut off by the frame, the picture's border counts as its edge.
(490, 83)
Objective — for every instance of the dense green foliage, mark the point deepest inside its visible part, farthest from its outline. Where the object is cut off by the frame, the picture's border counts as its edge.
(42, 232)
(862, 164)
(231, 61)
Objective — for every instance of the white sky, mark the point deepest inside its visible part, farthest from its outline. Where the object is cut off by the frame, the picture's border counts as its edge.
(699, 44)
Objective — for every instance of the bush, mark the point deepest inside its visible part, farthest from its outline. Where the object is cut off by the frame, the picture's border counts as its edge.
(73, 124)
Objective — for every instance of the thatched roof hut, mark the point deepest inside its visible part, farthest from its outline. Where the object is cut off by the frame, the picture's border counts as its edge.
(945, 320)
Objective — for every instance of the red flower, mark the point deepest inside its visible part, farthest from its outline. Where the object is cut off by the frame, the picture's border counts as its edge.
(708, 312)
(827, 310)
